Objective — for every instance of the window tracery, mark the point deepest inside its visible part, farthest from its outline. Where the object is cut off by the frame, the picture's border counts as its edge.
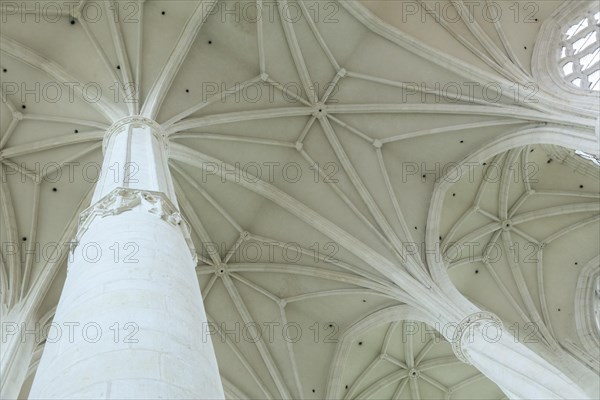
(580, 52)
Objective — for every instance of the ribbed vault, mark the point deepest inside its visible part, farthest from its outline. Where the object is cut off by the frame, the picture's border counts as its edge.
(311, 157)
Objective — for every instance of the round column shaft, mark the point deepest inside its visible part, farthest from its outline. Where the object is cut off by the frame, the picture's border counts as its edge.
(129, 321)
(481, 340)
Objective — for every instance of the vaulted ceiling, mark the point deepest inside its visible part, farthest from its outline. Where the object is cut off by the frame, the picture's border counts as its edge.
(284, 131)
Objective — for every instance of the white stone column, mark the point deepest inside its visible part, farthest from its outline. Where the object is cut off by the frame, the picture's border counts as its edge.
(481, 340)
(19, 337)
(130, 315)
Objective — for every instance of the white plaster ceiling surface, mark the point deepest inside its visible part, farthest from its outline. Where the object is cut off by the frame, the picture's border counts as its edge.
(525, 234)
(339, 156)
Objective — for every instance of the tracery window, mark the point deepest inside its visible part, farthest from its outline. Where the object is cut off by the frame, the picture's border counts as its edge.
(580, 52)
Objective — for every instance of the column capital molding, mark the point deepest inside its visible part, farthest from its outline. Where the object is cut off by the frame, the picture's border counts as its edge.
(465, 330)
(122, 199)
(136, 121)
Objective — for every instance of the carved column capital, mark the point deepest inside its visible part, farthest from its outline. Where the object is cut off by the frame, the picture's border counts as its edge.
(466, 330)
(135, 121)
(125, 199)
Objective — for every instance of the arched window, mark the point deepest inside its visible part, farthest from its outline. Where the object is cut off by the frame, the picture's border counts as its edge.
(566, 56)
(580, 51)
